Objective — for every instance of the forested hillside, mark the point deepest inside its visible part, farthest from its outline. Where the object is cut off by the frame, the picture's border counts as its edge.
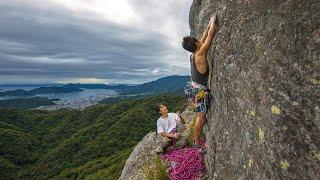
(93, 143)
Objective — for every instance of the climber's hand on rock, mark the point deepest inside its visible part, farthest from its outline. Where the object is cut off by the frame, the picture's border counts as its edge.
(213, 19)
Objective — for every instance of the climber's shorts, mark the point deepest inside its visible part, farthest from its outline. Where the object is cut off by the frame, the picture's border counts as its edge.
(200, 104)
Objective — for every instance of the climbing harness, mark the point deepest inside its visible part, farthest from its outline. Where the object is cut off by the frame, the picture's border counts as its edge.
(198, 94)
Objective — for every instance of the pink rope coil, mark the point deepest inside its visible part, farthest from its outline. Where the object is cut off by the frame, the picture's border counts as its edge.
(185, 164)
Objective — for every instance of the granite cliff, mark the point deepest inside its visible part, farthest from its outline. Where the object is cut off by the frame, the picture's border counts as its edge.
(264, 118)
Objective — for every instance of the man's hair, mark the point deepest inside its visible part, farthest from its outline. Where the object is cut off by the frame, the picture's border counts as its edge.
(189, 43)
(157, 107)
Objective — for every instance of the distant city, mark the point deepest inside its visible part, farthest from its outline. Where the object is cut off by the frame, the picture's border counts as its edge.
(77, 103)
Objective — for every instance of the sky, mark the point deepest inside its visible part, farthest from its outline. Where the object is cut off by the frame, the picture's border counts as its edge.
(92, 41)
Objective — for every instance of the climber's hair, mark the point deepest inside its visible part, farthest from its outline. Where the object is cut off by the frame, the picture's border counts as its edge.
(189, 43)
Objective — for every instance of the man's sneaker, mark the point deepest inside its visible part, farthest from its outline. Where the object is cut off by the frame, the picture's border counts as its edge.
(159, 149)
(200, 149)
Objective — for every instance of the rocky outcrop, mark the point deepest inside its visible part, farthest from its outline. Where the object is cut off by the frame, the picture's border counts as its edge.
(264, 118)
(142, 155)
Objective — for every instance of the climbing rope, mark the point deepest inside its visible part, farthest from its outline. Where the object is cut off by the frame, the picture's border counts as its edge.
(185, 164)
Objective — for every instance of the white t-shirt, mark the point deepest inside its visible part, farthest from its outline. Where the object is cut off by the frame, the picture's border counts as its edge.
(167, 124)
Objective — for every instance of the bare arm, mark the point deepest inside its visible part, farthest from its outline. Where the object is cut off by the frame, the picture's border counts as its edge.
(176, 135)
(211, 32)
(205, 33)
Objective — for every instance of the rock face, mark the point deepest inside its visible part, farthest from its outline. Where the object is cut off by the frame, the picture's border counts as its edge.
(140, 157)
(264, 118)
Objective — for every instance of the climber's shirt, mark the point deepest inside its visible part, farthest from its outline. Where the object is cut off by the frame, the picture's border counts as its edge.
(167, 124)
(196, 76)
(199, 92)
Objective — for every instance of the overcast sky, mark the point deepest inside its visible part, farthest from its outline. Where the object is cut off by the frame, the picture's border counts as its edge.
(92, 41)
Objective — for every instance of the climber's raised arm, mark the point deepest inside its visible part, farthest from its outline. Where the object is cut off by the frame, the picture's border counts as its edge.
(205, 33)
(211, 32)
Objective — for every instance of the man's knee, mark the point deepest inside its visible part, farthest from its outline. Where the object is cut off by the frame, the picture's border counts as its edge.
(166, 141)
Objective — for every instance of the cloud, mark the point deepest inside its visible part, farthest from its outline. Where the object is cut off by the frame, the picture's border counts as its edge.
(63, 42)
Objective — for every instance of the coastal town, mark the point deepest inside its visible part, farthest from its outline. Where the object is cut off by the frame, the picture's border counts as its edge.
(77, 103)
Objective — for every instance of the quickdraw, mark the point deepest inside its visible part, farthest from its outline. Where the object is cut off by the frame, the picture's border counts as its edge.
(201, 94)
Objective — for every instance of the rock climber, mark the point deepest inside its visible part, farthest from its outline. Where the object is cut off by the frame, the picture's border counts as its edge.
(167, 126)
(199, 75)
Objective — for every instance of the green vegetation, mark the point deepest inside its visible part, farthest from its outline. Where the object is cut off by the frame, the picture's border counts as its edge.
(191, 132)
(157, 170)
(117, 99)
(27, 103)
(70, 144)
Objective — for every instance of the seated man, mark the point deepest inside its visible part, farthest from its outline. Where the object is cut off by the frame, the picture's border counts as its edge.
(166, 126)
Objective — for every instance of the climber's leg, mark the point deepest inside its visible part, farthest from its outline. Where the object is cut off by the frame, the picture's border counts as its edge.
(201, 110)
(201, 118)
